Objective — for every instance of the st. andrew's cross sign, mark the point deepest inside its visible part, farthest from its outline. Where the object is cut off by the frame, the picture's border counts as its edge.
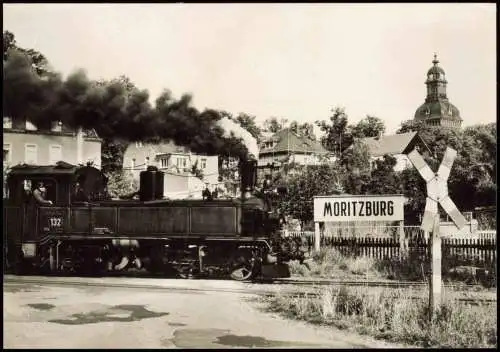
(437, 189)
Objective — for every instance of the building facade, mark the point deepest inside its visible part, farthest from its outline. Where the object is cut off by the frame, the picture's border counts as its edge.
(177, 163)
(437, 109)
(286, 146)
(397, 146)
(24, 143)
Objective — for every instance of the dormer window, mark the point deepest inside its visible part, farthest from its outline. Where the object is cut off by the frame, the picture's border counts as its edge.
(431, 77)
(7, 122)
(427, 112)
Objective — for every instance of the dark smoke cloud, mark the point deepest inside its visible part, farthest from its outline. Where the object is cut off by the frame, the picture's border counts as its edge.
(116, 110)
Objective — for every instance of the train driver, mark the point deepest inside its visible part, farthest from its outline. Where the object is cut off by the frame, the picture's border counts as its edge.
(40, 194)
(80, 195)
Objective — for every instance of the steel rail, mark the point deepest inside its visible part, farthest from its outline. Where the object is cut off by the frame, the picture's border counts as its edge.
(248, 289)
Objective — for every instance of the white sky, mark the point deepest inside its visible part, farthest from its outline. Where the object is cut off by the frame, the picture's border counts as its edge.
(286, 60)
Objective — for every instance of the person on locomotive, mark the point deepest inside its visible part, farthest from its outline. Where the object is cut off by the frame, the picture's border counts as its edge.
(206, 194)
(79, 195)
(40, 193)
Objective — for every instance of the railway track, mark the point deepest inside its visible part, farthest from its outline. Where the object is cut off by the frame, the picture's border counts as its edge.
(364, 283)
(246, 289)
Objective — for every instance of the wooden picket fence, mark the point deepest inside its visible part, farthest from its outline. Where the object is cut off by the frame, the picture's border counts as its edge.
(478, 250)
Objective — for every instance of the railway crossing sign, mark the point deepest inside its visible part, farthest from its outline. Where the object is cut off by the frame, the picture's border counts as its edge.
(437, 189)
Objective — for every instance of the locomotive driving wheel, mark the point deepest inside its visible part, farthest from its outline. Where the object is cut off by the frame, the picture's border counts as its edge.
(242, 265)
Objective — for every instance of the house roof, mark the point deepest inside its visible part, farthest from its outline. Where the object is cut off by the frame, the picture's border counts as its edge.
(288, 141)
(393, 144)
(61, 167)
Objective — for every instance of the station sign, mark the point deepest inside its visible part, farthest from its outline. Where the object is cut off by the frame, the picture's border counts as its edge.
(340, 208)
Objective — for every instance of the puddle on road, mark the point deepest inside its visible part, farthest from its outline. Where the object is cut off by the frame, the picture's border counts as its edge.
(119, 313)
(193, 338)
(257, 341)
(199, 338)
(41, 306)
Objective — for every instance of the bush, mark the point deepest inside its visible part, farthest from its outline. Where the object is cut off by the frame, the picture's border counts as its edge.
(329, 262)
(122, 183)
(394, 315)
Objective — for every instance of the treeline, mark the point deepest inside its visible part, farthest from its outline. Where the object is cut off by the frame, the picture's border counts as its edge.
(472, 181)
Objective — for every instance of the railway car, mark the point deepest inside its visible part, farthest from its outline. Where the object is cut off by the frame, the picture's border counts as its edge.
(83, 231)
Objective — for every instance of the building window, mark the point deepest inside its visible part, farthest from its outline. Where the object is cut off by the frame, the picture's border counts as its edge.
(56, 126)
(30, 126)
(7, 153)
(164, 163)
(203, 163)
(181, 163)
(146, 162)
(7, 122)
(55, 154)
(31, 154)
(138, 144)
(132, 164)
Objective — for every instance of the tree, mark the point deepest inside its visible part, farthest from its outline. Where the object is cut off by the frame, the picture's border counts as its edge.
(248, 122)
(304, 185)
(307, 130)
(121, 183)
(38, 60)
(355, 166)
(274, 125)
(337, 137)
(414, 188)
(370, 126)
(472, 178)
(383, 178)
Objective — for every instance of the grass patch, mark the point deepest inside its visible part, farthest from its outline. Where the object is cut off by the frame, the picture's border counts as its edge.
(331, 263)
(393, 315)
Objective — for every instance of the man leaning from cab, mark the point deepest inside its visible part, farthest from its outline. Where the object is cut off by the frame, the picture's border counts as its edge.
(40, 194)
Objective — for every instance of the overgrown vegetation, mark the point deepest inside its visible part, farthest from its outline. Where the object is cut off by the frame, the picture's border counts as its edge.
(121, 183)
(395, 315)
(330, 263)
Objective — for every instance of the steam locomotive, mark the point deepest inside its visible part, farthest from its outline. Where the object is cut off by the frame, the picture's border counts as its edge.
(237, 238)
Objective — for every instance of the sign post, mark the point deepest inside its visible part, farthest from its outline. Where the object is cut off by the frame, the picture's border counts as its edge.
(437, 192)
(351, 208)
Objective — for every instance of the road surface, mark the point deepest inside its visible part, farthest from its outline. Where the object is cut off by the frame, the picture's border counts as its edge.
(175, 314)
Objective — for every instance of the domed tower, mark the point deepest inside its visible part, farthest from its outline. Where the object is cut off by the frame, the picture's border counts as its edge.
(437, 110)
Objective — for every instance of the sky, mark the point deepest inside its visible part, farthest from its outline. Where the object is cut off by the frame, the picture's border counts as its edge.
(294, 61)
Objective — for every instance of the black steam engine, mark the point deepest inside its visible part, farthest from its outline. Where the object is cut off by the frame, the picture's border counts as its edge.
(84, 232)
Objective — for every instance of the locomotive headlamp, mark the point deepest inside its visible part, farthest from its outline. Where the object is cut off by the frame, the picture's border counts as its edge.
(29, 250)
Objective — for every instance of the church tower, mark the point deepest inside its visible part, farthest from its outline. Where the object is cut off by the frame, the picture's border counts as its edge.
(437, 110)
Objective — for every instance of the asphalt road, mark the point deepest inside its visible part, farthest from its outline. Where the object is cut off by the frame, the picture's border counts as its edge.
(179, 314)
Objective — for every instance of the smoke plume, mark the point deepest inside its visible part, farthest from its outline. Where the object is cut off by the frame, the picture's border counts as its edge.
(118, 110)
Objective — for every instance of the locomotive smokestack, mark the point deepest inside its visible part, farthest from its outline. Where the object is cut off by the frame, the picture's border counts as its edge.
(248, 172)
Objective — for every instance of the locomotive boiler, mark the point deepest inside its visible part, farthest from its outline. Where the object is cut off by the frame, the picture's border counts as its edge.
(239, 238)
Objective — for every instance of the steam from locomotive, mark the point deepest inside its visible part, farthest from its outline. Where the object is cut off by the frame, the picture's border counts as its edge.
(248, 140)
